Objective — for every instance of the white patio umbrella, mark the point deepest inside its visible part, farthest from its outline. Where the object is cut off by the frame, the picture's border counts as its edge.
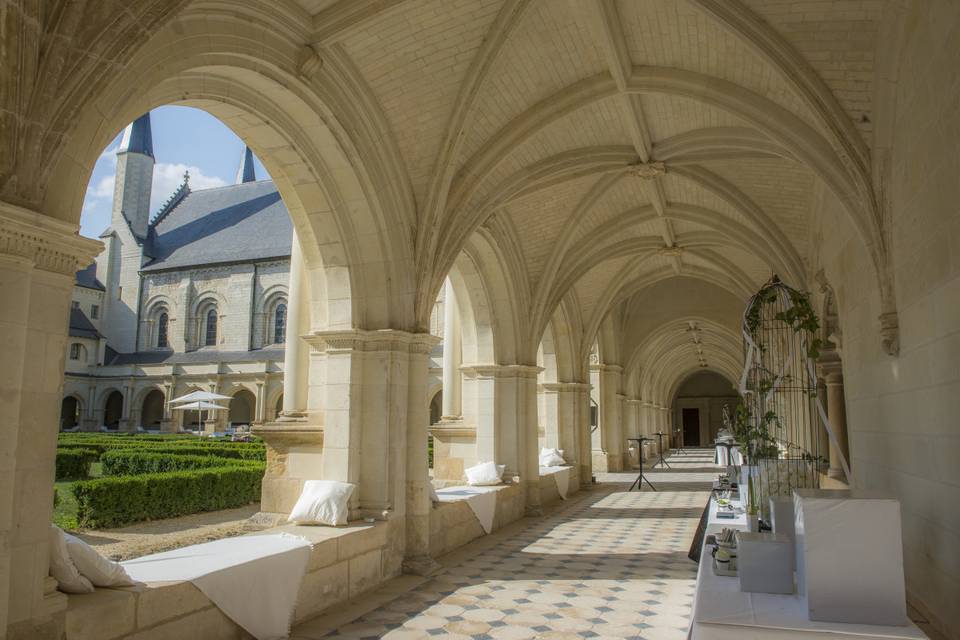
(200, 405)
(203, 396)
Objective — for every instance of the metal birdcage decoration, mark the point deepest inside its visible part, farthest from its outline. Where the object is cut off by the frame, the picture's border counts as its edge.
(780, 424)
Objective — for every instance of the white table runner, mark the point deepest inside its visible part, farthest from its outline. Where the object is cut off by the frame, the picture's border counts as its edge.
(722, 611)
(254, 580)
(481, 500)
(561, 476)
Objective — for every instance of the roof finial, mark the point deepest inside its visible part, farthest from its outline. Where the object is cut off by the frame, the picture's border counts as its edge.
(137, 137)
(246, 171)
(186, 178)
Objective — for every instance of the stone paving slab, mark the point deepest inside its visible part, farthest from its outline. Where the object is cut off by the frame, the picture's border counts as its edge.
(611, 564)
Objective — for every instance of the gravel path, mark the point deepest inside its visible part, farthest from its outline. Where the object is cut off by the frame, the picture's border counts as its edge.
(163, 535)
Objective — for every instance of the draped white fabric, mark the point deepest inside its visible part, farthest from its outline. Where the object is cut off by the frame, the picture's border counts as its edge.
(561, 476)
(254, 580)
(482, 500)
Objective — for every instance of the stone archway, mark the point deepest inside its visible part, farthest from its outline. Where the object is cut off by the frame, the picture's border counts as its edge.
(152, 410)
(71, 410)
(113, 410)
(242, 408)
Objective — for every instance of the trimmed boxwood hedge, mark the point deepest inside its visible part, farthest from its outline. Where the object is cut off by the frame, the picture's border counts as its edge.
(238, 450)
(75, 462)
(116, 501)
(126, 462)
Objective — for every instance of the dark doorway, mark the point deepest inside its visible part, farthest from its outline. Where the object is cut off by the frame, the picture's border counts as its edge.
(691, 427)
(69, 413)
(113, 410)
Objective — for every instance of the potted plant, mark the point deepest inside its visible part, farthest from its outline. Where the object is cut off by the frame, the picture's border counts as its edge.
(756, 443)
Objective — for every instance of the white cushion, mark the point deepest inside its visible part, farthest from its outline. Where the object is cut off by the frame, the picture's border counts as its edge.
(484, 474)
(322, 502)
(101, 571)
(61, 566)
(433, 492)
(551, 458)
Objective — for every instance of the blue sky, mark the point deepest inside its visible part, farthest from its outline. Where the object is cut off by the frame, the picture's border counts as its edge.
(183, 139)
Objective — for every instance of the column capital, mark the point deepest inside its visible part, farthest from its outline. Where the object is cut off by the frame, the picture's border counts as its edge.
(606, 368)
(500, 370)
(562, 387)
(370, 341)
(50, 244)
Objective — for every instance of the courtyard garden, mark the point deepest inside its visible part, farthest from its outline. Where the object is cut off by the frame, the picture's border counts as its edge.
(105, 481)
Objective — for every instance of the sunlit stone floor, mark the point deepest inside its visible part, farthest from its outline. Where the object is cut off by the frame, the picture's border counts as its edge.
(607, 564)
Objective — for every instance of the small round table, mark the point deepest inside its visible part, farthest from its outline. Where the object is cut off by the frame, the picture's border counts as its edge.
(638, 483)
(660, 451)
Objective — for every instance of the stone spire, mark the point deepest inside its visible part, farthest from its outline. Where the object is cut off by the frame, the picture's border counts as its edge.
(137, 137)
(131, 199)
(246, 172)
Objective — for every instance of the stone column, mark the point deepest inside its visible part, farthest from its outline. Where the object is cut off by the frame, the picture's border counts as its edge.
(561, 406)
(89, 422)
(38, 259)
(582, 427)
(837, 414)
(296, 356)
(610, 455)
(375, 430)
(258, 412)
(451, 355)
(169, 388)
(631, 429)
(126, 423)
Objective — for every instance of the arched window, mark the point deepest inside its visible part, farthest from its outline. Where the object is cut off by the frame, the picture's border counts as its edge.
(211, 331)
(280, 324)
(162, 322)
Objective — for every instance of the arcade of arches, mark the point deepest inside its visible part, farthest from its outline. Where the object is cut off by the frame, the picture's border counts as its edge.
(602, 183)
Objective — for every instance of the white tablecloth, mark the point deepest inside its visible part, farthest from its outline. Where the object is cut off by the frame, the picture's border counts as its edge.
(724, 460)
(560, 475)
(722, 612)
(482, 500)
(254, 580)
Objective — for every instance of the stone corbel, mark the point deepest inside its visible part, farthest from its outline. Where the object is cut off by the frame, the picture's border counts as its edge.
(890, 333)
(371, 341)
(51, 245)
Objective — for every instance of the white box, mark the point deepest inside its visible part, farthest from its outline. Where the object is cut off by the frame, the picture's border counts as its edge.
(781, 515)
(765, 562)
(849, 556)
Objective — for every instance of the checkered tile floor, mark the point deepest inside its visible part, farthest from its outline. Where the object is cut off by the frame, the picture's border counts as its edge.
(611, 564)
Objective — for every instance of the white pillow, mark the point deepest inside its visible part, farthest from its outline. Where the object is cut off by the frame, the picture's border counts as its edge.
(433, 492)
(485, 474)
(61, 566)
(551, 458)
(94, 567)
(322, 502)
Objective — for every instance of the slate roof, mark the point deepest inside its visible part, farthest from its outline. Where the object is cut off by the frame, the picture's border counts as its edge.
(87, 277)
(137, 137)
(201, 356)
(237, 223)
(80, 325)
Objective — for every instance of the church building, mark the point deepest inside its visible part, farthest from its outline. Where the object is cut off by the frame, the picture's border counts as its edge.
(193, 298)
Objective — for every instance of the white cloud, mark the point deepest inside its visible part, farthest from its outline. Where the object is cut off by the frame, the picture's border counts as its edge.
(168, 176)
(104, 188)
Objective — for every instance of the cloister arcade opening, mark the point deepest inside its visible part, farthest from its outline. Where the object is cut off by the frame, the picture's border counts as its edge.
(520, 233)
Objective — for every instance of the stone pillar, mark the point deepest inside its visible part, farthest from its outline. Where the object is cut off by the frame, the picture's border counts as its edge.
(375, 431)
(562, 413)
(610, 455)
(126, 421)
(582, 427)
(89, 422)
(38, 259)
(837, 414)
(451, 355)
(631, 429)
(296, 356)
(258, 412)
(169, 388)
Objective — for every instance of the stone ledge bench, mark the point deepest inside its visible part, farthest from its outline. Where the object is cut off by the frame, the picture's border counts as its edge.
(344, 563)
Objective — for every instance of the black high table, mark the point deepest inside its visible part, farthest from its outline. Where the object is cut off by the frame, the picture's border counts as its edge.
(680, 449)
(638, 483)
(660, 451)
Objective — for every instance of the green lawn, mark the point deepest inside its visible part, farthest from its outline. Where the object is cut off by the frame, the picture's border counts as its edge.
(65, 513)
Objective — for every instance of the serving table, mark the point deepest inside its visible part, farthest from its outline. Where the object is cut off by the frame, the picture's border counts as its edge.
(722, 612)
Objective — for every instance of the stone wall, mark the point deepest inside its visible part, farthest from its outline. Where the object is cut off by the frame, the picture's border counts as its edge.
(902, 410)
